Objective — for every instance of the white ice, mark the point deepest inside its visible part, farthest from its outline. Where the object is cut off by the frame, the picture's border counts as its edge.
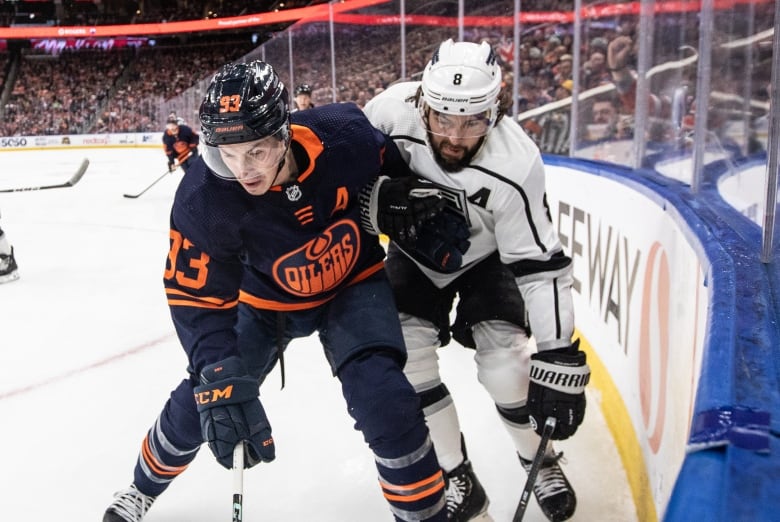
(88, 356)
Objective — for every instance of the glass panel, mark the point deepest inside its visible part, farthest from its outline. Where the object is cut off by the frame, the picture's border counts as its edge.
(671, 89)
(738, 115)
(607, 79)
(545, 78)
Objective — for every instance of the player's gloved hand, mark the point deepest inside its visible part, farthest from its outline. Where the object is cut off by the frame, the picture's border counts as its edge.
(441, 241)
(172, 166)
(230, 411)
(557, 389)
(397, 206)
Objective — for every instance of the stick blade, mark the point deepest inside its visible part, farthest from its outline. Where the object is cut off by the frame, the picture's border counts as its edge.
(79, 173)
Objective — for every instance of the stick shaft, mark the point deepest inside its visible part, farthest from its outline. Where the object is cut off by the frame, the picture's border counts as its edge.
(238, 482)
(153, 183)
(549, 427)
(72, 181)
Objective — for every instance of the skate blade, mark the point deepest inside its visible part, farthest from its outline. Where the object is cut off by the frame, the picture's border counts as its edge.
(13, 276)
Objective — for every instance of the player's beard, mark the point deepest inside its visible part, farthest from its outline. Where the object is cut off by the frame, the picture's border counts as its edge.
(454, 165)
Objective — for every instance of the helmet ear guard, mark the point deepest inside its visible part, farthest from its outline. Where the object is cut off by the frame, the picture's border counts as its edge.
(462, 79)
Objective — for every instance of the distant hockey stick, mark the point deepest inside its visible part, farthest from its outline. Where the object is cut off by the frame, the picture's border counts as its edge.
(549, 427)
(72, 181)
(133, 196)
(238, 482)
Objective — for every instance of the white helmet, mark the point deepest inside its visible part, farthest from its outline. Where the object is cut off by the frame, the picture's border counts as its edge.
(462, 78)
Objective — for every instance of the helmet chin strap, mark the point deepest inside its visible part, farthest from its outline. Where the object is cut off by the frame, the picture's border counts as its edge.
(279, 168)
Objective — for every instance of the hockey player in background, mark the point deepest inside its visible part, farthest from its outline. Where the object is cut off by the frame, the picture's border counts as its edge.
(303, 97)
(266, 246)
(8, 269)
(503, 260)
(180, 143)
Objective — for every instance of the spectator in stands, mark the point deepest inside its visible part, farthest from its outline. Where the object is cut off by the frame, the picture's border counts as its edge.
(535, 59)
(563, 70)
(303, 97)
(531, 96)
(594, 71)
(606, 120)
(180, 143)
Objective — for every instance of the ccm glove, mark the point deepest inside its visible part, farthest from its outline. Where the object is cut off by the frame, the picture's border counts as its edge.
(230, 412)
(441, 242)
(557, 389)
(398, 206)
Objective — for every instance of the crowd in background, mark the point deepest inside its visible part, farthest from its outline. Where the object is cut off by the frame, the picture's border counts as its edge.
(133, 90)
(109, 12)
(96, 91)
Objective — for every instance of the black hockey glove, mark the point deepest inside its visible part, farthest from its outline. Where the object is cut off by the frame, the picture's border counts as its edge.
(557, 389)
(171, 166)
(441, 242)
(397, 206)
(230, 411)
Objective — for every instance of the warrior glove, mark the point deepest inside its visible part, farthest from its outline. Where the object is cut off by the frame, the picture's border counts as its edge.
(557, 389)
(230, 412)
(441, 242)
(398, 206)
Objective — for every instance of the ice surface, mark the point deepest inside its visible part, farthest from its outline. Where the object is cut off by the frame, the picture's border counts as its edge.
(88, 356)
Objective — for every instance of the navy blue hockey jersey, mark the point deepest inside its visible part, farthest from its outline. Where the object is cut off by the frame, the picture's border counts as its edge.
(292, 248)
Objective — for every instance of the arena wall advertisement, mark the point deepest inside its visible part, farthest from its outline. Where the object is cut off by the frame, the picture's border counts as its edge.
(127, 140)
(641, 303)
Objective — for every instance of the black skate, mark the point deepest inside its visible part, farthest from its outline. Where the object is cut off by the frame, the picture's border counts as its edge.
(130, 505)
(466, 499)
(552, 490)
(8, 268)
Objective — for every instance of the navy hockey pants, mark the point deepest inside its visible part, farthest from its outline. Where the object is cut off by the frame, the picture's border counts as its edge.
(362, 340)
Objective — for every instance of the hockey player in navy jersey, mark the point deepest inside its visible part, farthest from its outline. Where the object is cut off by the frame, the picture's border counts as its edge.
(180, 143)
(266, 246)
(503, 262)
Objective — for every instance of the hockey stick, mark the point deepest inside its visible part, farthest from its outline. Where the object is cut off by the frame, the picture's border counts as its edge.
(72, 181)
(549, 427)
(238, 482)
(133, 196)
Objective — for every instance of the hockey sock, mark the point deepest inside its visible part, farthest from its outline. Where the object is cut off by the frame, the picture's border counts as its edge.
(159, 462)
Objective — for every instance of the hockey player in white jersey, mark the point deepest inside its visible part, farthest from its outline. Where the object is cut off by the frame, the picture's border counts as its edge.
(8, 269)
(498, 252)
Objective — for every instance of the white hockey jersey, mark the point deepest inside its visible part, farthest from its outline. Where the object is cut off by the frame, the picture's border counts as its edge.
(505, 203)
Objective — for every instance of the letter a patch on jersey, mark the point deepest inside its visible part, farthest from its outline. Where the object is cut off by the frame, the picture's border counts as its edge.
(342, 199)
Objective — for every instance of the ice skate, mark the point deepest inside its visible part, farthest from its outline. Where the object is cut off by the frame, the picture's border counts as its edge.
(8, 269)
(466, 499)
(552, 490)
(130, 505)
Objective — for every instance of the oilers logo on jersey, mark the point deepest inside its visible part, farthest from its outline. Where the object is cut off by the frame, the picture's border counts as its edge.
(322, 263)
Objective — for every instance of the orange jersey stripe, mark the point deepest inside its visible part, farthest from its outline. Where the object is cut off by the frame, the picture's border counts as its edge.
(185, 299)
(268, 304)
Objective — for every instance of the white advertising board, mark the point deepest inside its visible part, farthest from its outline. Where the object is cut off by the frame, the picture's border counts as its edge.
(641, 303)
